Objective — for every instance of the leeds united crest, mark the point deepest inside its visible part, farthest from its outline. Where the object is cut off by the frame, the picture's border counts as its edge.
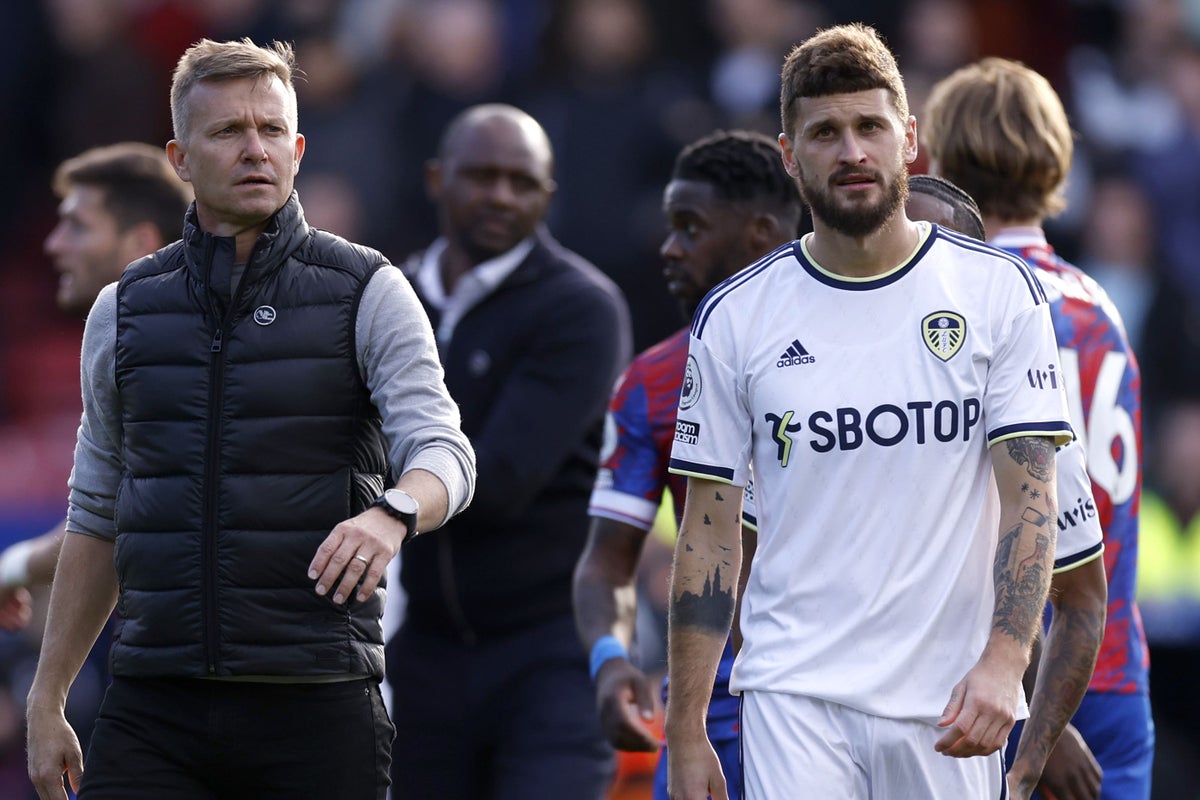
(943, 333)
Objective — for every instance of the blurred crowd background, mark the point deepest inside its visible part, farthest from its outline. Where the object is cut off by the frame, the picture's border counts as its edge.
(620, 85)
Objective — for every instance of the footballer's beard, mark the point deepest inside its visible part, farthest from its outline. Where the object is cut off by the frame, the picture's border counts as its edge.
(858, 220)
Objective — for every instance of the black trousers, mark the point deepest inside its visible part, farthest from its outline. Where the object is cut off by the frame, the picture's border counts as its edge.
(190, 739)
(509, 718)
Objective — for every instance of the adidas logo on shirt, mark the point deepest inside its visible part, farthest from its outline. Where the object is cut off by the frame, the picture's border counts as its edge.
(794, 356)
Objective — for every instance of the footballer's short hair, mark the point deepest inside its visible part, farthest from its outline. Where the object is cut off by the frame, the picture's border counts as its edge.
(839, 60)
(743, 167)
(137, 184)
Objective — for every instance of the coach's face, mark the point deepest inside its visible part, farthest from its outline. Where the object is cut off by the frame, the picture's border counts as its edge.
(850, 153)
(492, 185)
(241, 151)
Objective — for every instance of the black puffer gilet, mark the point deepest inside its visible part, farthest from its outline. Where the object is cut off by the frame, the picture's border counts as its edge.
(248, 435)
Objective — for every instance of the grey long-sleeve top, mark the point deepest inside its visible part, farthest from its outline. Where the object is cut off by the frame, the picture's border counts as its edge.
(397, 359)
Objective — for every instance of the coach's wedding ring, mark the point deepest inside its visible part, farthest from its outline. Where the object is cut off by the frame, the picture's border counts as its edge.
(360, 558)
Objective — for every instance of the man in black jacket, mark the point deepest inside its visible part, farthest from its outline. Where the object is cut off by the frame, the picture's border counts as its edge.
(249, 392)
(492, 696)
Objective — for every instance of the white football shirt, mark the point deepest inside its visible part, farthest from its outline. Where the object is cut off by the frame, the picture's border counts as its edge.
(867, 407)
(1080, 537)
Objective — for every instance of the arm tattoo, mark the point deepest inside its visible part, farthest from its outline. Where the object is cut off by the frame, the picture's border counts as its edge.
(1020, 585)
(1064, 675)
(1033, 516)
(1034, 452)
(711, 611)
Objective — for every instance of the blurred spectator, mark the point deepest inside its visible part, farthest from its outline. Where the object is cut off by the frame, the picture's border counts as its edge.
(754, 36)
(1169, 595)
(602, 103)
(1170, 339)
(163, 29)
(937, 37)
(1119, 98)
(1171, 173)
(445, 56)
(349, 111)
(691, 42)
(332, 203)
(1118, 248)
(101, 72)
(27, 56)
(1169, 579)
(229, 19)
(1170, 353)
(366, 28)
(883, 15)
(1038, 33)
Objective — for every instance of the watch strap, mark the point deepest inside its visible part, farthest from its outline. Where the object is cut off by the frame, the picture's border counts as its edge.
(409, 519)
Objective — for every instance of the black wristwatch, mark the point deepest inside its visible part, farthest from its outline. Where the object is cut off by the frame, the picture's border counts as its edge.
(400, 505)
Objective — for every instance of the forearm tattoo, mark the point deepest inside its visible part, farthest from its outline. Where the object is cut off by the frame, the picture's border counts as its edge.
(1034, 453)
(1021, 583)
(710, 609)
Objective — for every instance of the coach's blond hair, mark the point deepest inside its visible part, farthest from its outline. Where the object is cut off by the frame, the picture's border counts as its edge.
(222, 61)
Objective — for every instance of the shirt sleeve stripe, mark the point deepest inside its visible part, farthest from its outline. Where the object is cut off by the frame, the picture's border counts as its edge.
(750, 521)
(1059, 431)
(1067, 563)
(690, 468)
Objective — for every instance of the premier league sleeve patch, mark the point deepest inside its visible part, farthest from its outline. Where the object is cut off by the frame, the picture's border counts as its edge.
(690, 394)
(943, 333)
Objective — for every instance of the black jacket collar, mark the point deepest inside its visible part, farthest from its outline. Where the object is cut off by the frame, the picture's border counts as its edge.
(285, 232)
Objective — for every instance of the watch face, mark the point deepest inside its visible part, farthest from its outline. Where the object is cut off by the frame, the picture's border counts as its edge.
(401, 501)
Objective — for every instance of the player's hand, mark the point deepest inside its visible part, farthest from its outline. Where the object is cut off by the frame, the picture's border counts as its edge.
(357, 549)
(53, 750)
(693, 770)
(981, 711)
(16, 608)
(625, 703)
(1071, 771)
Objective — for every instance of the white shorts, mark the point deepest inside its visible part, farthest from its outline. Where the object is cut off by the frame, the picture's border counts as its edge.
(799, 747)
